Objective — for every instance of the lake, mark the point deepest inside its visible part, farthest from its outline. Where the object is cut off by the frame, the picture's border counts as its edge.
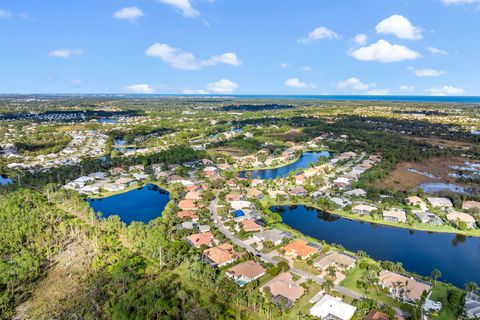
(456, 256)
(303, 162)
(142, 204)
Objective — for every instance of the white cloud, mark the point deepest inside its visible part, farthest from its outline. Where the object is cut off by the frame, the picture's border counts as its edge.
(436, 51)
(129, 13)
(318, 34)
(360, 39)
(222, 86)
(65, 53)
(185, 6)
(428, 72)
(226, 58)
(179, 59)
(77, 82)
(306, 68)
(379, 92)
(5, 14)
(296, 83)
(399, 26)
(406, 88)
(284, 65)
(445, 91)
(354, 84)
(448, 2)
(139, 88)
(384, 52)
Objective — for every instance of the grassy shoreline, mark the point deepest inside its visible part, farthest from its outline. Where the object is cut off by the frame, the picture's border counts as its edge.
(417, 226)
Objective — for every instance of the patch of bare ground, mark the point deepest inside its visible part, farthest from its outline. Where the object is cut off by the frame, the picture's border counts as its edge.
(445, 143)
(290, 135)
(229, 151)
(408, 175)
(66, 273)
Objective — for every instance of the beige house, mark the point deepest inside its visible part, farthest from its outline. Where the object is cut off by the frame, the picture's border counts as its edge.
(402, 287)
(283, 286)
(334, 258)
(456, 216)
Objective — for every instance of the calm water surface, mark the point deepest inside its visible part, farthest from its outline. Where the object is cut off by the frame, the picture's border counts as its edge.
(303, 162)
(456, 256)
(142, 204)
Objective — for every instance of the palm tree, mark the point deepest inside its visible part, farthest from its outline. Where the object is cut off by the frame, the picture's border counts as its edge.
(328, 285)
(471, 286)
(435, 275)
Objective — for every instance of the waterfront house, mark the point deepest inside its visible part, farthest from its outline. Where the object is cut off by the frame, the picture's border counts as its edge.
(198, 239)
(284, 290)
(245, 272)
(427, 217)
(299, 248)
(363, 209)
(220, 255)
(337, 259)
(340, 202)
(403, 287)
(328, 308)
(395, 215)
(456, 216)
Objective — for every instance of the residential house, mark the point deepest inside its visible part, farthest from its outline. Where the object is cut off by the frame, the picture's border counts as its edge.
(187, 205)
(275, 236)
(340, 202)
(245, 272)
(193, 195)
(376, 315)
(299, 248)
(328, 308)
(356, 193)
(395, 215)
(250, 225)
(299, 179)
(427, 217)
(440, 202)
(220, 256)
(284, 290)
(416, 201)
(299, 192)
(255, 193)
(234, 197)
(190, 215)
(337, 259)
(402, 287)
(236, 205)
(341, 183)
(456, 216)
(199, 239)
(363, 209)
(467, 205)
(472, 306)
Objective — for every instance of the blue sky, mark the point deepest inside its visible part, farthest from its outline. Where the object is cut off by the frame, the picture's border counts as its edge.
(414, 47)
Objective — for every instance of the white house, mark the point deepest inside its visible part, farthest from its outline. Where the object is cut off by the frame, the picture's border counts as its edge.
(332, 308)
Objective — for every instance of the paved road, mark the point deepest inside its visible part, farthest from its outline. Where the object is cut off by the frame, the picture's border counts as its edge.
(269, 258)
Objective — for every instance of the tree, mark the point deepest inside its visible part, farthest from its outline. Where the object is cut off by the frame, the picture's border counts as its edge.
(328, 285)
(435, 275)
(471, 286)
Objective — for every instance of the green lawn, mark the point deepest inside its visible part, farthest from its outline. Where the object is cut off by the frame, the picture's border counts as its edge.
(440, 293)
(350, 282)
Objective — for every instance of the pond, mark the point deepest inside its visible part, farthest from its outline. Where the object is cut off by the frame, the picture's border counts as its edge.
(142, 204)
(303, 162)
(456, 256)
(4, 180)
